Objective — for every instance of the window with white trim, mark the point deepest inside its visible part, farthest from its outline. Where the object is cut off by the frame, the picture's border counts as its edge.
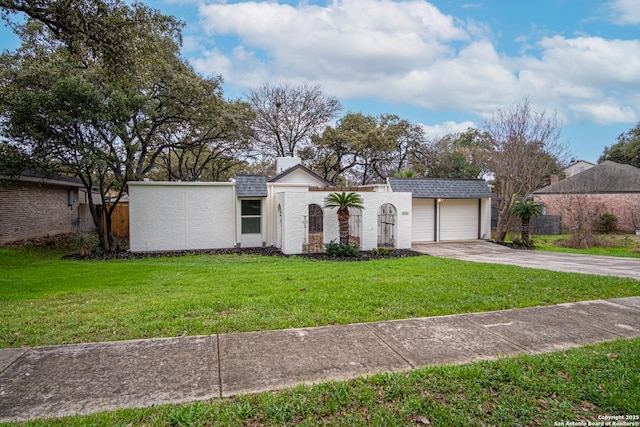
(251, 214)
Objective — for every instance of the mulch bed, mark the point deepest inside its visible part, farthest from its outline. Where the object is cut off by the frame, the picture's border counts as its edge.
(269, 251)
(68, 241)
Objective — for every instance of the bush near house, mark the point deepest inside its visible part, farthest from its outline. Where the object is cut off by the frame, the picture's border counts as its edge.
(608, 223)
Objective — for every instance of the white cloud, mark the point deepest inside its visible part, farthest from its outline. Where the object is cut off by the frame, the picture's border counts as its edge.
(345, 38)
(604, 113)
(596, 78)
(212, 62)
(408, 52)
(446, 128)
(625, 12)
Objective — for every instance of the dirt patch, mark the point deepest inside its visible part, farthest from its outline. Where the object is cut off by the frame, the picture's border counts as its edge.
(59, 241)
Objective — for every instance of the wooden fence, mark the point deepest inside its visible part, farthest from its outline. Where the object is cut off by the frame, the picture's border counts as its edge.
(120, 221)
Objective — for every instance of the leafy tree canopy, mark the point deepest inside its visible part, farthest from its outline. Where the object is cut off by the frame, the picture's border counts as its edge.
(626, 150)
(64, 99)
(123, 38)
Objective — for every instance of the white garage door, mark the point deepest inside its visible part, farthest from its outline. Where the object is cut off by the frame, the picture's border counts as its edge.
(459, 219)
(422, 217)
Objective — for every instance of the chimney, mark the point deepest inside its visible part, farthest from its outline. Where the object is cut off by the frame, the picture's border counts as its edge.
(555, 178)
(284, 163)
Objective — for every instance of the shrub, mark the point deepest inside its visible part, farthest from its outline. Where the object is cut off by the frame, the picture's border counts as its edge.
(341, 249)
(608, 223)
(380, 251)
(526, 243)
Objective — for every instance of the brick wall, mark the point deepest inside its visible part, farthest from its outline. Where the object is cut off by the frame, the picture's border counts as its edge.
(626, 207)
(30, 210)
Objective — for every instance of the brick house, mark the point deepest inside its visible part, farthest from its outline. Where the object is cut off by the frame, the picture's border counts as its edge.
(32, 206)
(606, 188)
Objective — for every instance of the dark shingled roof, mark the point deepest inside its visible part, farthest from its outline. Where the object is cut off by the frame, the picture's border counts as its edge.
(444, 188)
(35, 176)
(251, 186)
(607, 177)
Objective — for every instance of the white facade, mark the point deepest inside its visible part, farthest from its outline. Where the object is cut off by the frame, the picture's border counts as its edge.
(172, 216)
(290, 209)
(166, 216)
(577, 167)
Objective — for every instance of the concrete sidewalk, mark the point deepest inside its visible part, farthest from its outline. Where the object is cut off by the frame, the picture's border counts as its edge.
(80, 379)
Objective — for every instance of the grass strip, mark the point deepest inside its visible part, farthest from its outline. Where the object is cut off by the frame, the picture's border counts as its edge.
(619, 245)
(45, 300)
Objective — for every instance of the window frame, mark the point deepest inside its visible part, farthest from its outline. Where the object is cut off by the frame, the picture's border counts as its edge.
(248, 227)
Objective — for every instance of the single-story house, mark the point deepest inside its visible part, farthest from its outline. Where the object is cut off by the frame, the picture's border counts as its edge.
(33, 206)
(287, 211)
(606, 188)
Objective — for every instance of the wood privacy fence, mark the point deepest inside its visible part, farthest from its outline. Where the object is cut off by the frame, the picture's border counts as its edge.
(120, 220)
(545, 224)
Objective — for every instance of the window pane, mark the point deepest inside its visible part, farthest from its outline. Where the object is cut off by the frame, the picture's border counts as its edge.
(250, 225)
(251, 207)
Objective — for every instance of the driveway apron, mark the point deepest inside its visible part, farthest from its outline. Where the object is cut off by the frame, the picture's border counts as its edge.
(487, 252)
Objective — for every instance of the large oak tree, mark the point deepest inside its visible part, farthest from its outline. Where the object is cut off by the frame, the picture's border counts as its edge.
(65, 98)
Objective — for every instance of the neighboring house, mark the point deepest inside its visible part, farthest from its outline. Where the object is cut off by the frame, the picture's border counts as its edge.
(577, 167)
(33, 206)
(606, 188)
(287, 211)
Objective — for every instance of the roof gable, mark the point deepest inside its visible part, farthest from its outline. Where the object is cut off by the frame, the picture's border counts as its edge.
(607, 177)
(303, 174)
(251, 186)
(444, 188)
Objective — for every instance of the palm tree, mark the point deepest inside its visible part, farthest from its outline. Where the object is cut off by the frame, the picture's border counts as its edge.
(525, 210)
(343, 201)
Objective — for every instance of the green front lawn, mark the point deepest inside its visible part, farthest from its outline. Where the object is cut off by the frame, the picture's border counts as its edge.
(622, 245)
(565, 388)
(45, 300)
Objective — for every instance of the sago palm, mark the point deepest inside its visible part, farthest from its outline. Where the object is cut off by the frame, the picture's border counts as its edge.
(525, 210)
(343, 201)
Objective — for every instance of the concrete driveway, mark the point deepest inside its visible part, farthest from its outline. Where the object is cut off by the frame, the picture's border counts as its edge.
(481, 251)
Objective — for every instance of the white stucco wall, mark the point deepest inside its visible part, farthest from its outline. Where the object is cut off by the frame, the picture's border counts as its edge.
(485, 219)
(579, 166)
(181, 216)
(300, 177)
(295, 207)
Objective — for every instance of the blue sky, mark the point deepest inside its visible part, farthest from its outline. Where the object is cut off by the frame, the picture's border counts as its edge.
(444, 64)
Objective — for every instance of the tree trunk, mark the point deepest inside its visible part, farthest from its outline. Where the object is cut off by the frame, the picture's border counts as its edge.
(343, 222)
(526, 224)
(503, 222)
